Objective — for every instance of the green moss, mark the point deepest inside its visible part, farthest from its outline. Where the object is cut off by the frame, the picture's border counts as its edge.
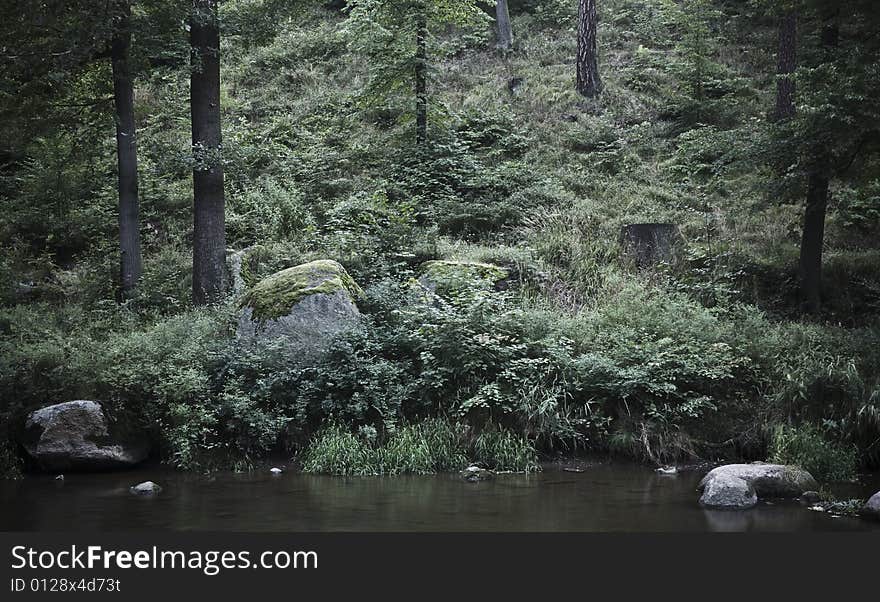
(275, 295)
(450, 275)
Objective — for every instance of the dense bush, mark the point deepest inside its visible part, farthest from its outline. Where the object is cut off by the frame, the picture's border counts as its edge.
(806, 446)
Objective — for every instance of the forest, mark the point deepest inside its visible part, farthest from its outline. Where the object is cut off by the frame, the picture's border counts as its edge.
(406, 236)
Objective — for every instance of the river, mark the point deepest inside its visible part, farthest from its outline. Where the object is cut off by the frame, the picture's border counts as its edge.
(602, 497)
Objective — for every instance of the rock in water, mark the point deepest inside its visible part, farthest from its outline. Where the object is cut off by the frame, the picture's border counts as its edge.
(475, 473)
(738, 486)
(729, 491)
(309, 302)
(145, 488)
(275, 470)
(872, 508)
(810, 498)
(76, 435)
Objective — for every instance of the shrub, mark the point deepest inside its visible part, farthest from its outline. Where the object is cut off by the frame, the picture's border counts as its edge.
(806, 446)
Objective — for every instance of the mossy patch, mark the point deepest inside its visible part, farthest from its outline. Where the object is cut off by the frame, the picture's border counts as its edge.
(274, 296)
(451, 276)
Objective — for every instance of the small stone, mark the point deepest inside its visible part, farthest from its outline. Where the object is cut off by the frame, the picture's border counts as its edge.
(475, 473)
(59, 477)
(667, 470)
(145, 488)
(274, 470)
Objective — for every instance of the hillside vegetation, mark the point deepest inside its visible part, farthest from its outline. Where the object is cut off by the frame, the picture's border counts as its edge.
(581, 351)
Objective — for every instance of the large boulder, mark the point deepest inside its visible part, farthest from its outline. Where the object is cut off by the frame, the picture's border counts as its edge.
(310, 302)
(447, 277)
(872, 508)
(738, 486)
(77, 435)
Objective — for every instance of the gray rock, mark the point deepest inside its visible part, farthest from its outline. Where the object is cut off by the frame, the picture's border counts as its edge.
(145, 488)
(275, 470)
(475, 473)
(738, 486)
(809, 498)
(871, 509)
(76, 435)
(729, 491)
(308, 303)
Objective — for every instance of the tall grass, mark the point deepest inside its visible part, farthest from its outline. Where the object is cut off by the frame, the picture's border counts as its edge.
(436, 445)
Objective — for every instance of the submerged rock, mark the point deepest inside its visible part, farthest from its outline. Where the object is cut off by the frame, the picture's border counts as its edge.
(452, 277)
(809, 498)
(738, 486)
(871, 509)
(145, 488)
(311, 302)
(476, 473)
(77, 435)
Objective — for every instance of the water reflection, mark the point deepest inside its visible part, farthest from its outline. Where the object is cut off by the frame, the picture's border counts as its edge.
(605, 497)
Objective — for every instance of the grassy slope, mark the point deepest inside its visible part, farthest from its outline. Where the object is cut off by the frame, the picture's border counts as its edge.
(311, 175)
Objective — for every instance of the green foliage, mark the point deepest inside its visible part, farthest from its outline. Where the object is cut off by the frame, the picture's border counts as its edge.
(436, 445)
(807, 447)
(432, 446)
(10, 462)
(385, 32)
(578, 352)
(505, 451)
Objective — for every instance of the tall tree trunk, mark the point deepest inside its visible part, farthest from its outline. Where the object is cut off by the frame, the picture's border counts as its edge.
(505, 32)
(421, 79)
(131, 265)
(209, 230)
(589, 83)
(813, 237)
(786, 64)
(812, 242)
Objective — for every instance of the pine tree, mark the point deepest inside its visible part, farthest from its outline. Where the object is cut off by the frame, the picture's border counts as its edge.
(209, 231)
(589, 83)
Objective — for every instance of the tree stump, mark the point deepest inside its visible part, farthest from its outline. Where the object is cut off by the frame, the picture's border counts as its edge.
(650, 244)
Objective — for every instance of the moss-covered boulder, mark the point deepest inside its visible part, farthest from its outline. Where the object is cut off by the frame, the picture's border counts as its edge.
(447, 277)
(739, 486)
(312, 301)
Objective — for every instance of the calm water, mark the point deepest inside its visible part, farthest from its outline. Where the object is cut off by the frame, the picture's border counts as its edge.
(604, 497)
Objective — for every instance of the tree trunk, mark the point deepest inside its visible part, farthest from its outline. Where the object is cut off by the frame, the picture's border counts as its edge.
(786, 63)
(589, 83)
(209, 230)
(131, 265)
(812, 242)
(505, 32)
(813, 237)
(421, 76)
